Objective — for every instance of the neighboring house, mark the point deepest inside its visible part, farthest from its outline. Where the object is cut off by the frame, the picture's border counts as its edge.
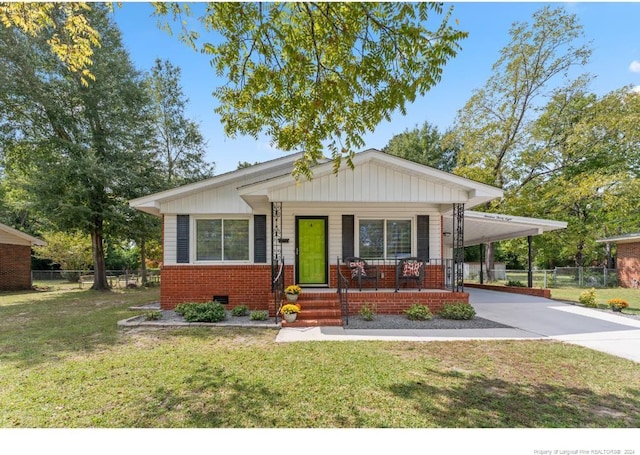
(15, 258)
(225, 237)
(627, 258)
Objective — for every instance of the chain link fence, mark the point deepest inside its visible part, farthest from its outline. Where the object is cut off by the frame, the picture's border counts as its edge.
(580, 277)
(115, 278)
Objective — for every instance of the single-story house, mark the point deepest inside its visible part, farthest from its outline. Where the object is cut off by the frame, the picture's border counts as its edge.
(627, 258)
(15, 258)
(234, 237)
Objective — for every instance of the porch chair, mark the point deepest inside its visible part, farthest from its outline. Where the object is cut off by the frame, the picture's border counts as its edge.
(362, 271)
(410, 269)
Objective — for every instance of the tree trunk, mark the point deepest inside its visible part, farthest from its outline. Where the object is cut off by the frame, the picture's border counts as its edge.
(489, 262)
(99, 268)
(143, 261)
(610, 264)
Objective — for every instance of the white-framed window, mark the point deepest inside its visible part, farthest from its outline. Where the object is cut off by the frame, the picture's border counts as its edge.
(222, 239)
(385, 238)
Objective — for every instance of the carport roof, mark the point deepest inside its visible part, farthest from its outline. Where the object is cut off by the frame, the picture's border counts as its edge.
(481, 227)
(626, 238)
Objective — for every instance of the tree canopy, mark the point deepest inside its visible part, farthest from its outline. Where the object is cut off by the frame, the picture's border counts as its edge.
(317, 76)
(70, 35)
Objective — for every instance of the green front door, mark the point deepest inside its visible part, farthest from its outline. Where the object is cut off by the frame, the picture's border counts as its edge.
(311, 250)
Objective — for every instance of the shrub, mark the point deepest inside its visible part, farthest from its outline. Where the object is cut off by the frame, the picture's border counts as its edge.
(367, 312)
(202, 312)
(458, 310)
(261, 315)
(153, 315)
(240, 310)
(617, 303)
(588, 298)
(514, 283)
(419, 313)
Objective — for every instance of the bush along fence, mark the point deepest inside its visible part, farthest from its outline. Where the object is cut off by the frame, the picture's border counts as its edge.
(115, 278)
(581, 277)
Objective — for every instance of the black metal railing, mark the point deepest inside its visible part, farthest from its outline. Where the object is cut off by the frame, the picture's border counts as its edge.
(343, 295)
(277, 287)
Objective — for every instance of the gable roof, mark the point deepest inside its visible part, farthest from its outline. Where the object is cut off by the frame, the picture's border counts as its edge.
(15, 237)
(151, 203)
(376, 177)
(272, 180)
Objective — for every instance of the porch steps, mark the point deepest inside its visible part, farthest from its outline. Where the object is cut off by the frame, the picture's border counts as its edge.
(318, 309)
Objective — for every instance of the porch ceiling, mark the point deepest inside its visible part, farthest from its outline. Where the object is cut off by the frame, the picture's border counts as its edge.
(482, 227)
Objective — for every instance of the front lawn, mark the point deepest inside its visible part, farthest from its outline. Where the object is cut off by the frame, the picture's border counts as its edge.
(63, 363)
(632, 296)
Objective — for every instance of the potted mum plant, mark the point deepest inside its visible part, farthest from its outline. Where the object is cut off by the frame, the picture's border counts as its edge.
(617, 304)
(290, 312)
(292, 292)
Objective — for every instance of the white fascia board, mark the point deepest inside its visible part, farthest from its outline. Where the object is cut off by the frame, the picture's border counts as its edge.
(627, 238)
(543, 224)
(150, 202)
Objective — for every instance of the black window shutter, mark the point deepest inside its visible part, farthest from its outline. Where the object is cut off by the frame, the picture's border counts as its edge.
(260, 239)
(423, 236)
(182, 240)
(347, 236)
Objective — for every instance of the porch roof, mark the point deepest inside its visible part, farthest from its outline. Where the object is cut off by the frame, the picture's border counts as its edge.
(480, 227)
(377, 177)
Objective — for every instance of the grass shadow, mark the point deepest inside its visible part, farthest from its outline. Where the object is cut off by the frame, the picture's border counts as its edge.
(475, 401)
(81, 321)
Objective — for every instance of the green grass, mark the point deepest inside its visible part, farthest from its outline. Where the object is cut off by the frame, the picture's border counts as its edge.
(632, 296)
(63, 363)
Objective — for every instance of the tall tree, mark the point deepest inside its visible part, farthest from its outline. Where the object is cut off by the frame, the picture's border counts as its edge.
(75, 146)
(178, 142)
(582, 166)
(423, 145)
(318, 75)
(493, 127)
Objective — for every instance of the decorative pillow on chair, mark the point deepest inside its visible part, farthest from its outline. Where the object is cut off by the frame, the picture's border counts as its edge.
(357, 269)
(411, 269)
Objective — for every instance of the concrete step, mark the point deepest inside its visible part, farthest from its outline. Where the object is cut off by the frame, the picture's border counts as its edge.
(313, 322)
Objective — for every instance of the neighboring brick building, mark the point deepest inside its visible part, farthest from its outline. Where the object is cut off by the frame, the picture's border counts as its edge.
(15, 258)
(627, 258)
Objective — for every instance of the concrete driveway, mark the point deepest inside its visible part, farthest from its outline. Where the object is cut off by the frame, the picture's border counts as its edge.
(595, 329)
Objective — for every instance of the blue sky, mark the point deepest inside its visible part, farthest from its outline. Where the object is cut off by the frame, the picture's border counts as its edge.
(612, 28)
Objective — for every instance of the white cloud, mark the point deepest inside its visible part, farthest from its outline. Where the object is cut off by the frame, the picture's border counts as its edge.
(635, 66)
(636, 89)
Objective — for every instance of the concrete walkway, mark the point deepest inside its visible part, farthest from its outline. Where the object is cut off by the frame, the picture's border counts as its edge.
(531, 318)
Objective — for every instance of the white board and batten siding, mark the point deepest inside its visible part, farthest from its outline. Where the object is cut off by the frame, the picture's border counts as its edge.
(360, 211)
(334, 213)
(370, 182)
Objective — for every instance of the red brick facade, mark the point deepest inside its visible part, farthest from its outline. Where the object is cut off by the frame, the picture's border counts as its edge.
(628, 264)
(251, 285)
(546, 293)
(244, 284)
(15, 267)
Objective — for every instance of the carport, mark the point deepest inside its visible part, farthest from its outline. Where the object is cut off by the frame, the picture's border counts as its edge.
(481, 228)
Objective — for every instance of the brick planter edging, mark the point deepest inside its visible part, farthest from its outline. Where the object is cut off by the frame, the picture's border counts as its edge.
(546, 293)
